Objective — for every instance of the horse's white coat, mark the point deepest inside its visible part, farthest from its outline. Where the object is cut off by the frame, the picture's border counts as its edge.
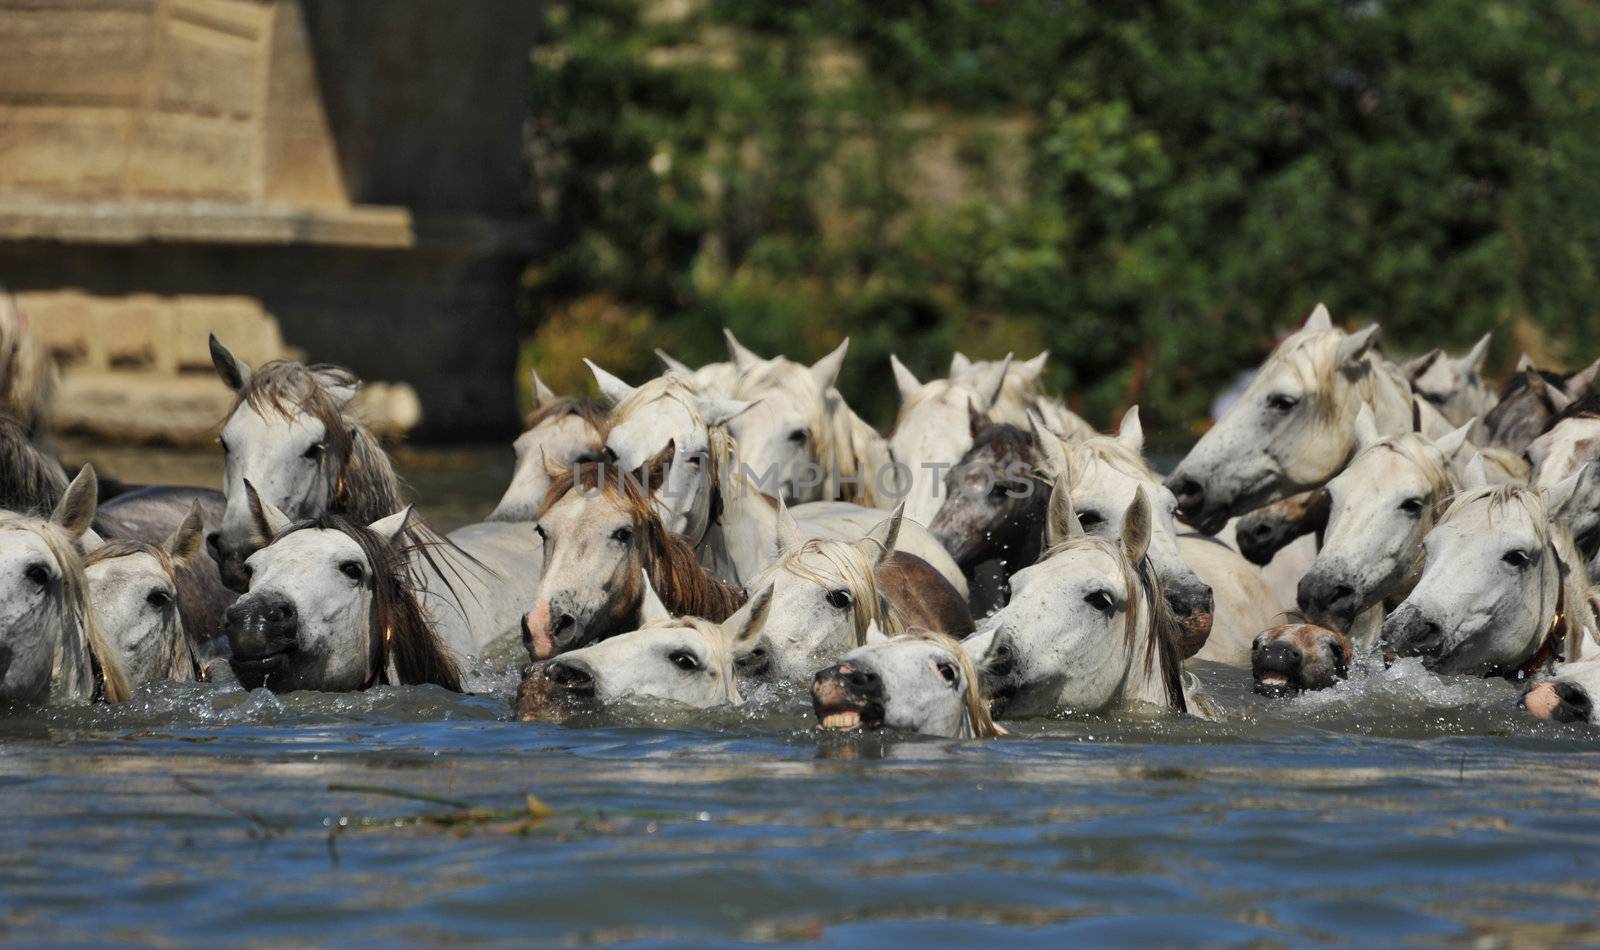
(932, 433)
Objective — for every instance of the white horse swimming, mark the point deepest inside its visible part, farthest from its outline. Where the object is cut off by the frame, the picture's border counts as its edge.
(52, 650)
(920, 681)
(1294, 426)
(1380, 508)
(1218, 599)
(332, 607)
(289, 434)
(1455, 387)
(931, 433)
(1087, 628)
(785, 437)
(559, 433)
(827, 593)
(683, 660)
(1502, 590)
(1020, 394)
(134, 587)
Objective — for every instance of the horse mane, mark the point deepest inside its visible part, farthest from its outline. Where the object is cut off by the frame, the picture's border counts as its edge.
(855, 455)
(409, 645)
(850, 567)
(592, 412)
(1005, 441)
(682, 583)
(1585, 407)
(1111, 451)
(30, 480)
(363, 485)
(83, 647)
(973, 705)
(1162, 653)
(1422, 454)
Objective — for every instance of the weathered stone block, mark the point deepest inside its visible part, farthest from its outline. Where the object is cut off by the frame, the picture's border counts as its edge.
(238, 322)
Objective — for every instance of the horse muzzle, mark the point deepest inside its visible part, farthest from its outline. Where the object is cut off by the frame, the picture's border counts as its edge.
(230, 560)
(846, 697)
(1278, 668)
(1193, 608)
(552, 690)
(1329, 600)
(263, 634)
(1408, 633)
(1557, 702)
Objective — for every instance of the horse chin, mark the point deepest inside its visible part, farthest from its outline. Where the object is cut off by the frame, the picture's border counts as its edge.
(1194, 630)
(1278, 683)
(254, 672)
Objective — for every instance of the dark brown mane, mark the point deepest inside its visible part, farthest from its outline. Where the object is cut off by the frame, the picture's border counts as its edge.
(685, 587)
(401, 632)
(31, 482)
(593, 412)
(1005, 441)
(362, 484)
(1587, 407)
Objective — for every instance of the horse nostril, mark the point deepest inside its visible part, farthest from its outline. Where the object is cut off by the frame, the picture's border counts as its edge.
(280, 612)
(1263, 531)
(563, 623)
(862, 679)
(1575, 698)
(569, 677)
(1189, 492)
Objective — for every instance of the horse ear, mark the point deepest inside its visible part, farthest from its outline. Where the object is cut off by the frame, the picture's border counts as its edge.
(904, 378)
(1319, 319)
(959, 364)
(716, 412)
(826, 370)
(234, 371)
(1476, 474)
(1357, 345)
(881, 539)
(650, 606)
(1452, 442)
(976, 420)
(1366, 428)
(743, 356)
(542, 395)
(787, 533)
(1416, 367)
(875, 633)
(265, 516)
(1131, 431)
(611, 387)
(1556, 496)
(743, 629)
(1034, 368)
(1524, 363)
(1136, 523)
(1062, 522)
(1558, 397)
(1580, 382)
(1050, 445)
(75, 511)
(1472, 363)
(392, 526)
(184, 545)
(339, 384)
(989, 385)
(672, 365)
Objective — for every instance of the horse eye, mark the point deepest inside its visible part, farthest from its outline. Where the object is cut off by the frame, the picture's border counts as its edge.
(159, 599)
(1517, 558)
(37, 574)
(1412, 506)
(622, 535)
(948, 672)
(351, 569)
(314, 451)
(685, 661)
(1278, 402)
(839, 598)
(798, 437)
(1436, 398)
(1101, 601)
(1089, 519)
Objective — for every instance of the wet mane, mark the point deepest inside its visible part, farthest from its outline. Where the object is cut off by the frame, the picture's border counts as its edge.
(30, 480)
(1162, 652)
(83, 649)
(361, 480)
(404, 644)
(685, 587)
(847, 565)
(974, 707)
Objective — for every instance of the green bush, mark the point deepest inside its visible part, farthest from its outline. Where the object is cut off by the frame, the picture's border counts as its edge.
(1153, 191)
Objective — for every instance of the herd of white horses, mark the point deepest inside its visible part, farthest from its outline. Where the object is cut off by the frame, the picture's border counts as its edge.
(682, 540)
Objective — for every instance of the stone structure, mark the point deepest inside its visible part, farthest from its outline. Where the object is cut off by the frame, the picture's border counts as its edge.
(345, 176)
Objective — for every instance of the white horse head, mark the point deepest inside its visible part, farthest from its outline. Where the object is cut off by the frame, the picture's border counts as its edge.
(331, 607)
(289, 434)
(1085, 629)
(683, 660)
(785, 436)
(135, 592)
(921, 682)
(1571, 449)
(716, 380)
(50, 639)
(932, 432)
(824, 597)
(560, 433)
(1102, 476)
(1294, 426)
(1501, 588)
(1380, 508)
(1453, 386)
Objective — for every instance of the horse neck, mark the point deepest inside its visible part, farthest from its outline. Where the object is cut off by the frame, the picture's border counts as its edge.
(743, 538)
(1385, 389)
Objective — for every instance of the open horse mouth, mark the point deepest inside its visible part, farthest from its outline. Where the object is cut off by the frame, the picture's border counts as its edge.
(846, 698)
(256, 671)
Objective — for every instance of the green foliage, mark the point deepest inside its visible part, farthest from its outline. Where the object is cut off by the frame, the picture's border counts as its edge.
(1153, 191)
